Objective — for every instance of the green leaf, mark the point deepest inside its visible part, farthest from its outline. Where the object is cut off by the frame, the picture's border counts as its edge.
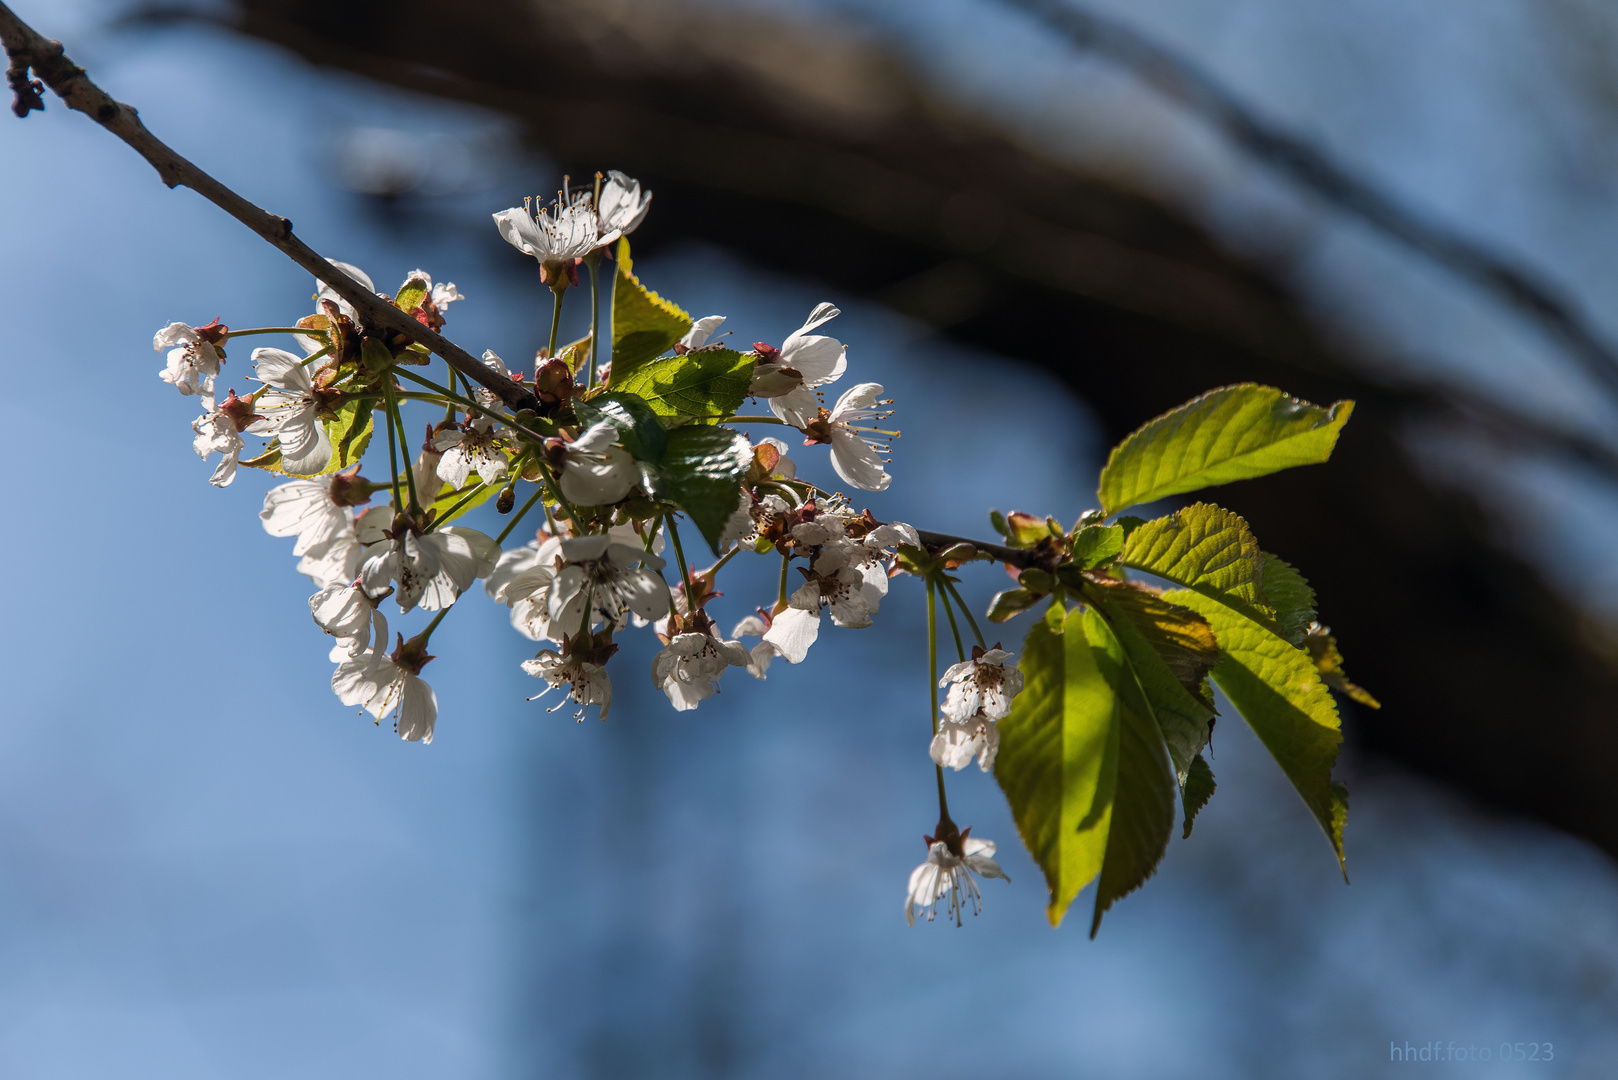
(639, 429)
(1083, 765)
(644, 325)
(1234, 433)
(702, 473)
(1058, 759)
(1169, 651)
(1097, 545)
(1009, 603)
(576, 354)
(1195, 792)
(411, 294)
(1143, 798)
(1277, 689)
(1329, 662)
(1202, 547)
(1291, 596)
(709, 383)
(449, 496)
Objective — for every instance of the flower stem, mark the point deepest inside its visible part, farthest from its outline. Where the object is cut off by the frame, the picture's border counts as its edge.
(679, 553)
(973, 623)
(471, 406)
(781, 597)
(398, 422)
(300, 330)
(316, 355)
(932, 691)
(427, 632)
(751, 420)
(393, 460)
(943, 597)
(593, 261)
(556, 496)
(556, 320)
(539, 490)
(723, 559)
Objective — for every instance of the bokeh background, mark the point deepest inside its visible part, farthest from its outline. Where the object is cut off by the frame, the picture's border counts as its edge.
(208, 868)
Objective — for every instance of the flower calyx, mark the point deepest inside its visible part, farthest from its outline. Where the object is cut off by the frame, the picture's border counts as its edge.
(412, 655)
(553, 382)
(349, 488)
(239, 410)
(946, 833)
(214, 333)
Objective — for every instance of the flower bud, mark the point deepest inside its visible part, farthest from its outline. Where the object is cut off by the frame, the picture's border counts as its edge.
(507, 499)
(349, 488)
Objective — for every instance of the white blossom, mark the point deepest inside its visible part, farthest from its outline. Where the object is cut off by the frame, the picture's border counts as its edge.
(959, 741)
(323, 291)
(353, 618)
(291, 412)
(441, 295)
(855, 455)
(521, 580)
(807, 361)
(621, 208)
(305, 509)
(431, 569)
(596, 471)
(382, 686)
(472, 446)
(557, 236)
(601, 573)
(587, 684)
(946, 874)
(688, 668)
(985, 684)
(192, 361)
(216, 433)
(701, 330)
(488, 398)
(760, 655)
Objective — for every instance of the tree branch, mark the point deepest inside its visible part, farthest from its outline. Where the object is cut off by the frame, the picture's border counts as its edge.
(1018, 557)
(1180, 80)
(26, 48)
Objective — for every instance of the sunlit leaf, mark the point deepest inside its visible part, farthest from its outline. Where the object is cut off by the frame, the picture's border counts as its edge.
(644, 325)
(639, 429)
(1329, 662)
(1278, 691)
(709, 384)
(1234, 433)
(1291, 596)
(1097, 545)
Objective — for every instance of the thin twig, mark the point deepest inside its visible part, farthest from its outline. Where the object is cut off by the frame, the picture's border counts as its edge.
(28, 49)
(1177, 78)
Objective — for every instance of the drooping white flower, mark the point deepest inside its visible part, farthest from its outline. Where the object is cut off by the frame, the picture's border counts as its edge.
(759, 657)
(305, 509)
(192, 361)
(621, 208)
(602, 574)
(689, 666)
(521, 580)
(697, 337)
(959, 741)
(353, 618)
(474, 445)
(793, 630)
(383, 685)
(291, 411)
(806, 361)
(587, 683)
(219, 431)
(427, 568)
(855, 454)
(338, 564)
(946, 874)
(558, 235)
(596, 471)
(984, 684)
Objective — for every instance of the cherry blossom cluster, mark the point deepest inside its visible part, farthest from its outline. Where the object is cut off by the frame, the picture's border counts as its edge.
(599, 564)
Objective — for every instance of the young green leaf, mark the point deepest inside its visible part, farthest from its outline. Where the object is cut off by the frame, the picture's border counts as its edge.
(1291, 596)
(575, 354)
(1097, 545)
(474, 486)
(1195, 792)
(349, 431)
(639, 429)
(411, 294)
(702, 472)
(1168, 651)
(1058, 758)
(709, 383)
(644, 325)
(1234, 433)
(1278, 691)
(1202, 547)
(1143, 795)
